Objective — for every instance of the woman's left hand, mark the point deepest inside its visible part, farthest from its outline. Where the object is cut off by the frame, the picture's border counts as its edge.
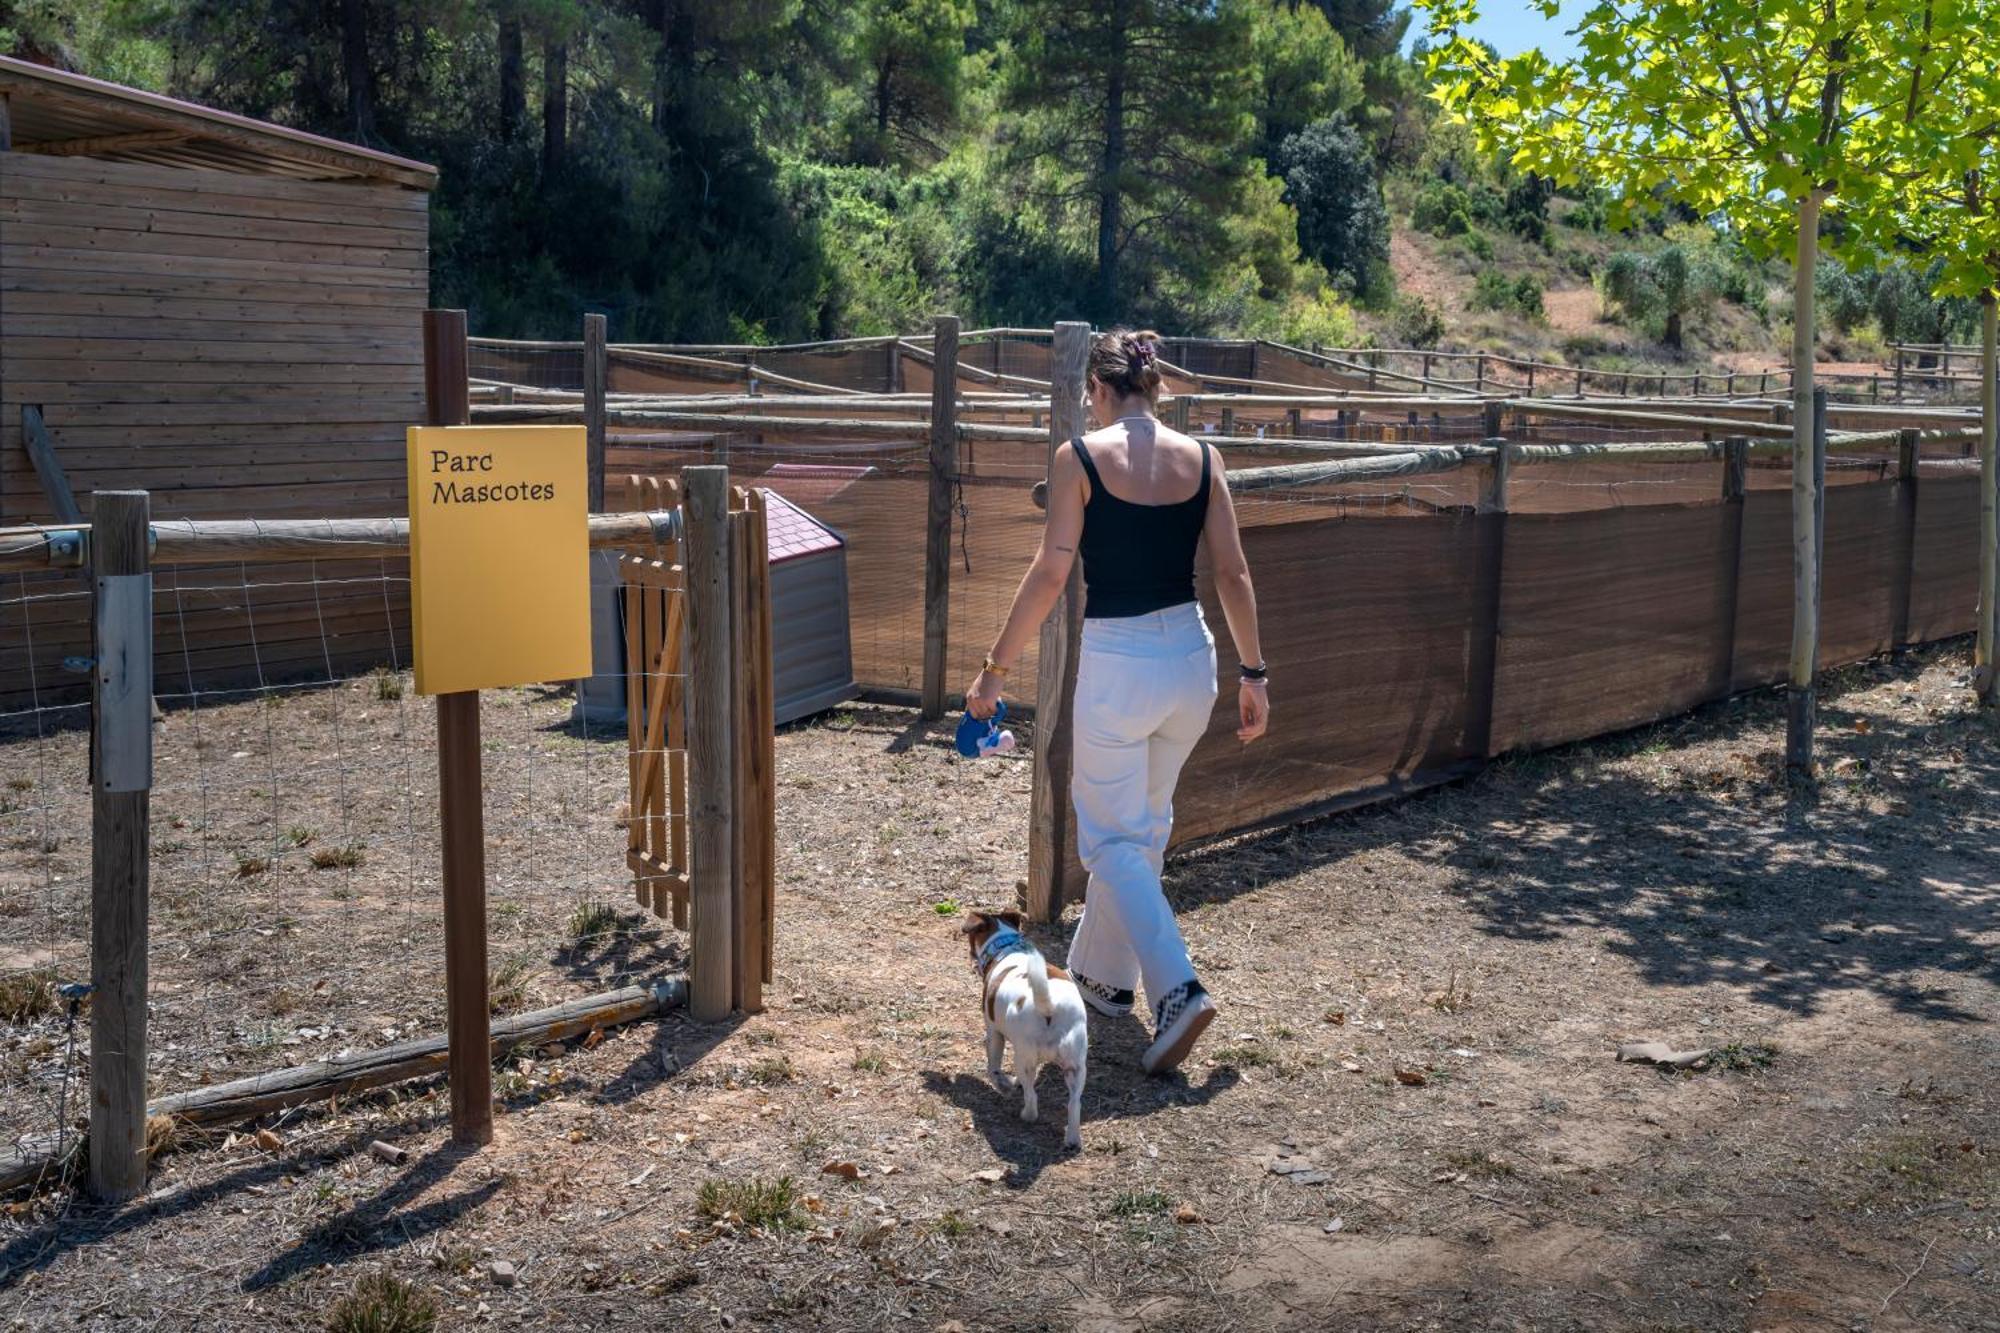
(1253, 708)
(982, 698)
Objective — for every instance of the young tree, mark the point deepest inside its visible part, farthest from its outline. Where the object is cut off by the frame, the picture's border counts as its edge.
(1138, 114)
(1761, 114)
(1948, 205)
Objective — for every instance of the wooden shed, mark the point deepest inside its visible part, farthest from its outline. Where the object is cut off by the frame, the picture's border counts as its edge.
(227, 313)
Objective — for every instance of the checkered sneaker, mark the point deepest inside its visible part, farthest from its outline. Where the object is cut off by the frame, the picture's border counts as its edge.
(1106, 1000)
(1180, 1017)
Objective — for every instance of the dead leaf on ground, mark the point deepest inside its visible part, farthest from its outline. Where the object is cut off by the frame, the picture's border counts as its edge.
(269, 1141)
(1411, 1078)
(845, 1170)
(1186, 1213)
(991, 1175)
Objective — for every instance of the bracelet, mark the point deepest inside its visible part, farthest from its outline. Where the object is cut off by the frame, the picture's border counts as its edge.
(992, 668)
(1256, 674)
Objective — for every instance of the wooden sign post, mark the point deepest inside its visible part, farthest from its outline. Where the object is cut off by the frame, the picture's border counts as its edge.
(500, 584)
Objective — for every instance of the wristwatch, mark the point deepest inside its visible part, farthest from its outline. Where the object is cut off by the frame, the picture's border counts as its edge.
(1261, 672)
(991, 667)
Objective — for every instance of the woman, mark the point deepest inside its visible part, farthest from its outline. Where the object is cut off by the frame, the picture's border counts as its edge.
(1136, 498)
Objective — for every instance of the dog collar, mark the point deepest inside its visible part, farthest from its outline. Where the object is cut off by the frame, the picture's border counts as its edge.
(1002, 942)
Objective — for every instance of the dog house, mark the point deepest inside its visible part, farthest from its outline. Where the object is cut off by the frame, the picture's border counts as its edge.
(812, 660)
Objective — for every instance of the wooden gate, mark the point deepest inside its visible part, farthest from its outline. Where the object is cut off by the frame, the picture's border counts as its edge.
(658, 690)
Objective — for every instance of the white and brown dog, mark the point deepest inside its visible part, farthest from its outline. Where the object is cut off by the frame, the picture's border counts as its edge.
(1034, 1006)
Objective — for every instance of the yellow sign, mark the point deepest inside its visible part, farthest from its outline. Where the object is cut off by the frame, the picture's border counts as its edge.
(499, 556)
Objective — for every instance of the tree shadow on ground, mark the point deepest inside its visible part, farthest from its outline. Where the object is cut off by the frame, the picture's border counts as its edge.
(1726, 878)
(382, 1221)
(81, 1223)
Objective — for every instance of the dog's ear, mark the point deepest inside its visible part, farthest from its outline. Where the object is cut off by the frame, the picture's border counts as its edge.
(1010, 918)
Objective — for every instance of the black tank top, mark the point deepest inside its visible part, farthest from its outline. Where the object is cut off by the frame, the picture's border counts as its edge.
(1138, 557)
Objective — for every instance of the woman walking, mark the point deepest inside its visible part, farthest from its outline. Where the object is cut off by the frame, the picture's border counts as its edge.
(1136, 498)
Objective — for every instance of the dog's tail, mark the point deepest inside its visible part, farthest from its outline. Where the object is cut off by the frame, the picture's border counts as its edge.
(1037, 969)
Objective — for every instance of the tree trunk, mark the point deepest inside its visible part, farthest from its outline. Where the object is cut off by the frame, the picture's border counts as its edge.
(1984, 667)
(884, 85)
(513, 92)
(360, 78)
(555, 105)
(1673, 334)
(1110, 189)
(1805, 542)
(661, 16)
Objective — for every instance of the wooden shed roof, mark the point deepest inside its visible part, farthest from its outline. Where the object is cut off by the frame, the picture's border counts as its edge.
(72, 115)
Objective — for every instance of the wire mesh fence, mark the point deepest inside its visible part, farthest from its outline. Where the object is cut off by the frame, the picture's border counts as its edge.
(296, 908)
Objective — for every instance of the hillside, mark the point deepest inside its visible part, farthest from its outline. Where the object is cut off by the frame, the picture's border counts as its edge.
(1577, 323)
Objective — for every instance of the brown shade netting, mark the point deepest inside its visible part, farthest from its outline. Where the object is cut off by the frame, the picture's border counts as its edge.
(1610, 618)
(1369, 623)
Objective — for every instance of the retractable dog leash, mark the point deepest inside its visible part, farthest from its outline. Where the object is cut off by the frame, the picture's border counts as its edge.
(979, 737)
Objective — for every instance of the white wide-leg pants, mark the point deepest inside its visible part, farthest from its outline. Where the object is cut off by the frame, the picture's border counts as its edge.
(1145, 688)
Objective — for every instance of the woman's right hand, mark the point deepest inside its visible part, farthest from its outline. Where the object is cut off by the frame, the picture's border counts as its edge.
(982, 698)
(1253, 707)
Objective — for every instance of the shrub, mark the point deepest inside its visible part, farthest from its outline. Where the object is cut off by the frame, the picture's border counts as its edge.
(1479, 246)
(1329, 174)
(27, 995)
(770, 1204)
(382, 1303)
(1526, 207)
(1444, 208)
(1493, 291)
(1415, 322)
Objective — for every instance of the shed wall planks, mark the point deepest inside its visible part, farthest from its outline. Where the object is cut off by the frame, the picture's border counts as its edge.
(240, 346)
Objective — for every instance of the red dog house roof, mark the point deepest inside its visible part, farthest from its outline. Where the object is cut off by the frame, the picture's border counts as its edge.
(791, 532)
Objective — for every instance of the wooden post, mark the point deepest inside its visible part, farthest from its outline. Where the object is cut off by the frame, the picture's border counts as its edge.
(894, 370)
(1906, 556)
(711, 754)
(6, 126)
(1294, 419)
(751, 723)
(1899, 372)
(1229, 421)
(937, 535)
(1986, 646)
(1490, 420)
(1427, 369)
(1483, 658)
(1579, 381)
(1479, 380)
(1531, 379)
(1819, 509)
(596, 369)
(1735, 481)
(120, 839)
(1180, 413)
(1051, 823)
(461, 816)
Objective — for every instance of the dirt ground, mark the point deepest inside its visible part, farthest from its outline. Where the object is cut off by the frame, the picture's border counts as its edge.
(1409, 1116)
